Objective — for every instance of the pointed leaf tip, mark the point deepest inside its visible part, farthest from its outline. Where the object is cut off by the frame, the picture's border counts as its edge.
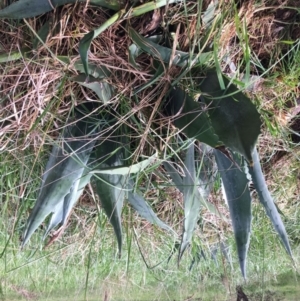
(238, 197)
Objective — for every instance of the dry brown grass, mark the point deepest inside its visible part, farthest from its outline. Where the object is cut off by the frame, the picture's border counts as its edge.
(30, 84)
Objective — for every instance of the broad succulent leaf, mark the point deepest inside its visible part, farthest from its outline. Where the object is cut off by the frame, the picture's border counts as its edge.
(102, 89)
(233, 117)
(63, 209)
(190, 117)
(239, 202)
(267, 201)
(165, 54)
(63, 173)
(191, 199)
(111, 190)
(140, 205)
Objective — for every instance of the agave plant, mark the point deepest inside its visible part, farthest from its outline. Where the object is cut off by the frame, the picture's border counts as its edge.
(223, 119)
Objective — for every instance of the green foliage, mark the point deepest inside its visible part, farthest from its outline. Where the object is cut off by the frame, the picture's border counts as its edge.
(239, 202)
(62, 177)
(267, 201)
(223, 118)
(234, 118)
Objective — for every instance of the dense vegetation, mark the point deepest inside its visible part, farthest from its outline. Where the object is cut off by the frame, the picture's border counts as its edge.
(156, 104)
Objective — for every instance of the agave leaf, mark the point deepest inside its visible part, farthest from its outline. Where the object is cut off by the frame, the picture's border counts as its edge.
(180, 59)
(191, 198)
(63, 171)
(111, 191)
(42, 33)
(134, 51)
(174, 174)
(31, 8)
(233, 117)
(204, 181)
(125, 170)
(209, 14)
(239, 202)
(190, 117)
(103, 90)
(112, 188)
(226, 252)
(99, 72)
(208, 170)
(63, 209)
(140, 205)
(267, 201)
(213, 254)
(197, 257)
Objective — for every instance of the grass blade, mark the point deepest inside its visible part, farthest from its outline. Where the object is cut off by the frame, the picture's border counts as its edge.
(267, 201)
(239, 202)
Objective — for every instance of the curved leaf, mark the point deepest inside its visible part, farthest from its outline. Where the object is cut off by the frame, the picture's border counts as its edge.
(63, 172)
(239, 202)
(140, 205)
(99, 72)
(103, 90)
(31, 8)
(233, 117)
(180, 59)
(111, 191)
(190, 117)
(267, 201)
(63, 209)
(174, 174)
(111, 188)
(125, 170)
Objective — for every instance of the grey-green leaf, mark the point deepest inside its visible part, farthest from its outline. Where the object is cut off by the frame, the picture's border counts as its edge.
(63, 172)
(103, 90)
(63, 209)
(32, 8)
(233, 117)
(174, 174)
(140, 205)
(267, 201)
(98, 72)
(190, 117)
(111, 191)
(239, 201)
(180, 58)
(191, 198)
